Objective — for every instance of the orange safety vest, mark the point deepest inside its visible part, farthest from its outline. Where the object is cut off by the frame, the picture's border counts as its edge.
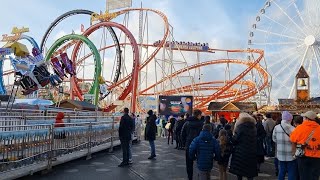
(301, 134)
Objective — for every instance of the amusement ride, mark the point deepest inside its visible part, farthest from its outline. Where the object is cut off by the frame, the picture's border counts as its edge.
(126, 57)
(288, 32)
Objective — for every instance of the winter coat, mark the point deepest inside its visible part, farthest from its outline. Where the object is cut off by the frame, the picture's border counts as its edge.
(261, 134)
(244, 156)
(225, 156)
(190, 130)
(59, 120)
(179, 125)
(151, 128)
(172, 124)
(125, 128)
(269, 124)
(205, 148)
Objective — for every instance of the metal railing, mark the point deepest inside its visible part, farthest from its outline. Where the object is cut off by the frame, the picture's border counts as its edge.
(25, 145)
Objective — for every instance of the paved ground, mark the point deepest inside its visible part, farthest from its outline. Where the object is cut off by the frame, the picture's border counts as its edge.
(170, 164)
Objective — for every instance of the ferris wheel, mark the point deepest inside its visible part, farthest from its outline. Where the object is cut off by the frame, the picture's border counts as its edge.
(289, 32)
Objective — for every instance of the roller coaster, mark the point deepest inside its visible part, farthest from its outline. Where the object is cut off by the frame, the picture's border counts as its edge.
(126, 86)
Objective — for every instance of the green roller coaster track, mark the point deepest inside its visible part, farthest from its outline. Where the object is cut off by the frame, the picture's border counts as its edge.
(96, 56)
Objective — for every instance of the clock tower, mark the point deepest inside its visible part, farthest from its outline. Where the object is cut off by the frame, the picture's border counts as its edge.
(302, 85)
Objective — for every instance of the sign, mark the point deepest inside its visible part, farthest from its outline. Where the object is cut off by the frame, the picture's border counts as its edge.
(16, 30)
(117, 4)
(175, 105)
(5, 51)
(185, 45)
(6, 38)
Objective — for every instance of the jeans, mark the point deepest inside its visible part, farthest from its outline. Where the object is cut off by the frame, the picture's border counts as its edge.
(189, 163)
(152, 147)
(269, 145)
(309, 168)
(163, 132)
(125, 151)
(290, 167)
(130, 149)
(203, 175)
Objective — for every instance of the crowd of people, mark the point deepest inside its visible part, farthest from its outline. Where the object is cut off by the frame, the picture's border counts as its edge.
(239, 146)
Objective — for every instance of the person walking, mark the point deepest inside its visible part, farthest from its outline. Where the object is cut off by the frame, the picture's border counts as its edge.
(269, 124)
(297, 120)
(221, 125)
(163, 127)
(177, 131)
(226, 150)
(276, 161)
(261, 135)
(150, 132)
(139, 127)
(125, 135)
(133, 117)
(204, 148)
(281, 136)
(191, 129)
(172, 122)
(244, 140)
(307, 136)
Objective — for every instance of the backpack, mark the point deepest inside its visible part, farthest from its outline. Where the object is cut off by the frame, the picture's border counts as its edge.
(164, 123)
(219, 127)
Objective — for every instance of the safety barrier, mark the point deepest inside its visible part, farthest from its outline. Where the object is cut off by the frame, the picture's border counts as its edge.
(35, 147)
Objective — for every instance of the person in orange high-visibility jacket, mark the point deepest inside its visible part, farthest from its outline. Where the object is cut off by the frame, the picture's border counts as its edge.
(309, 165)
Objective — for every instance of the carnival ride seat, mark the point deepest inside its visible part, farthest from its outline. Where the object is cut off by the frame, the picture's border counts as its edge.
(67, 64)
(57, 67)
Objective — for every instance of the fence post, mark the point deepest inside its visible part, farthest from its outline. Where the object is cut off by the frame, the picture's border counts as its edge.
(112, 134)
(50, 147)
(89, 132)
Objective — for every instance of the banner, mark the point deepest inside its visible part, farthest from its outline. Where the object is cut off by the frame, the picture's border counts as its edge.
(175, 105)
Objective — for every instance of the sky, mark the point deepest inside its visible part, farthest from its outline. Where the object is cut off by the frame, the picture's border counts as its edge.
(224, 24)
(218, 20)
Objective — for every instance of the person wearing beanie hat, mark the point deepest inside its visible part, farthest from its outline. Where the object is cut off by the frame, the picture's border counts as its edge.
(281, 136)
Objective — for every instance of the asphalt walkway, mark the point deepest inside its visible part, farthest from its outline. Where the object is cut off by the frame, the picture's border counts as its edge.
(169, 164)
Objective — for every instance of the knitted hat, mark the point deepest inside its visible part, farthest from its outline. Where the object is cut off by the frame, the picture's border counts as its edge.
(286, 116)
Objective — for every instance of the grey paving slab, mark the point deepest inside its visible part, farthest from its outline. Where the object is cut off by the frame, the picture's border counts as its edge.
(168, 165)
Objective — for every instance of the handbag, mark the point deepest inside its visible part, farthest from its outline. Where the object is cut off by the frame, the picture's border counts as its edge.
(300, 147)
(168, 126)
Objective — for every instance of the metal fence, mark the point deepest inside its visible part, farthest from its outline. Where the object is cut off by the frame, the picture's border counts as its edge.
(43, 144)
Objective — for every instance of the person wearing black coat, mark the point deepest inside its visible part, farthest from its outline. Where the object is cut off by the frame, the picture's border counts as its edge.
(150, 132)
(125, 132)
(191, 129)
(177, 131)
(261, 135)
(244, 156)
(172, 122)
